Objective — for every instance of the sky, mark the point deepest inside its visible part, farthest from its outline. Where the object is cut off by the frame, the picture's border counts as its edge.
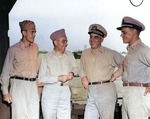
(75, 16)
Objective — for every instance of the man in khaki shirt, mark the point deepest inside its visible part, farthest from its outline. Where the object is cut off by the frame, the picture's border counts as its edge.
(96, 67)
(20, 69)
(135, 71)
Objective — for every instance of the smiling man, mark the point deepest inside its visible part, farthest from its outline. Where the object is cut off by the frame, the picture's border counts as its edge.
(96, 67)
(135, 71)
(20, 69)
(57, 67)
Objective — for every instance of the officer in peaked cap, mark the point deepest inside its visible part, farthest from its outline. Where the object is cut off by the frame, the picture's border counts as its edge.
(131, 23)
(135, 71)
(97, 29)
(96, 67)
(57, 67)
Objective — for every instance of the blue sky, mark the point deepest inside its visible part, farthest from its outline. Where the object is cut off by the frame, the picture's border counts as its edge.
(75, 16)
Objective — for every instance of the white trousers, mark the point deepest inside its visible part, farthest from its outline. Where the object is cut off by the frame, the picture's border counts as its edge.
(135, 105)
(101, 101)
(56, 102)
(25, 100)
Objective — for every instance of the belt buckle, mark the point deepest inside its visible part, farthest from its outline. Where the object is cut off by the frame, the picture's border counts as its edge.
(28, 79)
(32, 79)
(61, 84)
(23, 78)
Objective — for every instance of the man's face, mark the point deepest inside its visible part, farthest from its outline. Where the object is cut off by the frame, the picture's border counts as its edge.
(61, 43)
(95, 41)
(127, 35)
(29, 34)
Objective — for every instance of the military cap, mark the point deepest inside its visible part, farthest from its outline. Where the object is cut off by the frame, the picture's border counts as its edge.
(27, 25)
(58, 33)
(131, 23)
(97, 29)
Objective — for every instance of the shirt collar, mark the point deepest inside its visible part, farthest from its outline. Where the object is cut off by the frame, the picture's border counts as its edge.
(22, 45)
(101, 49)
(54, 53)
(133, 46)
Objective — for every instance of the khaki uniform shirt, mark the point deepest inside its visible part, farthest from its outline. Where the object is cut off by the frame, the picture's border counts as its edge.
(19, 61)
(101, 66)
(136, 65)
(53, 65)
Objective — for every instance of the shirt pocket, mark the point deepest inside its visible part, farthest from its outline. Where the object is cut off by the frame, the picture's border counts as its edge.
(20, 59)
(21, 62)
(87, 64)
(133, 66)
(66, 67)
(52, 68)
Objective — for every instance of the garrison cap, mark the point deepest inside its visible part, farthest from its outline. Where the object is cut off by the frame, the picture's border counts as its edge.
(97, 29)
(27, 25)
(131, 23)
(58, 33)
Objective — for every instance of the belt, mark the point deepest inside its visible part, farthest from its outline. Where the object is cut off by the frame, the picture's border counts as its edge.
(23, 78)
(136, 84)
(99, 82)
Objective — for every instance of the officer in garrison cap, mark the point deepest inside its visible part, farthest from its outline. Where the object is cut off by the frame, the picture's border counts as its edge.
(57, 67)
(20, 69)
(96, 67)
(135, 71)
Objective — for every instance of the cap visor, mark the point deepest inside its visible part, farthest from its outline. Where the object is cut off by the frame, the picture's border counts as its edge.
(119, 28)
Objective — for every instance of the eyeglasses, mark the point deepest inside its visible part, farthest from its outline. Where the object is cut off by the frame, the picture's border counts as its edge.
(32, 31)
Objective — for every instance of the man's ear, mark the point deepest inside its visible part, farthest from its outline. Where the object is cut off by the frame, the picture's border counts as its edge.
(23, 33)
(135, 31)
(102, 39)
(55, 42)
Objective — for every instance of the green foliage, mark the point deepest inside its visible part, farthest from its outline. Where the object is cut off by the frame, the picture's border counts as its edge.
(77, 54)
(42, 52)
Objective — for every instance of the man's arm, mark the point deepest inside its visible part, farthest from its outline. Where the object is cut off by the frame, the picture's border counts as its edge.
(85, 82)
(4, 80)
(82, 74)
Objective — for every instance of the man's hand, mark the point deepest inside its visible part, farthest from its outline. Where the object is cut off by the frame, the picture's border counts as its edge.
(64, 78)
(70, 75)
(113, 78)
(147, 90)
(7, 98)
(85, 82)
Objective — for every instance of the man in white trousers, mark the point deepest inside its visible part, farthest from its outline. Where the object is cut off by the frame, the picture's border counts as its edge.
(135, 71)
(57, 67)
(20, 69)
(96, 67)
